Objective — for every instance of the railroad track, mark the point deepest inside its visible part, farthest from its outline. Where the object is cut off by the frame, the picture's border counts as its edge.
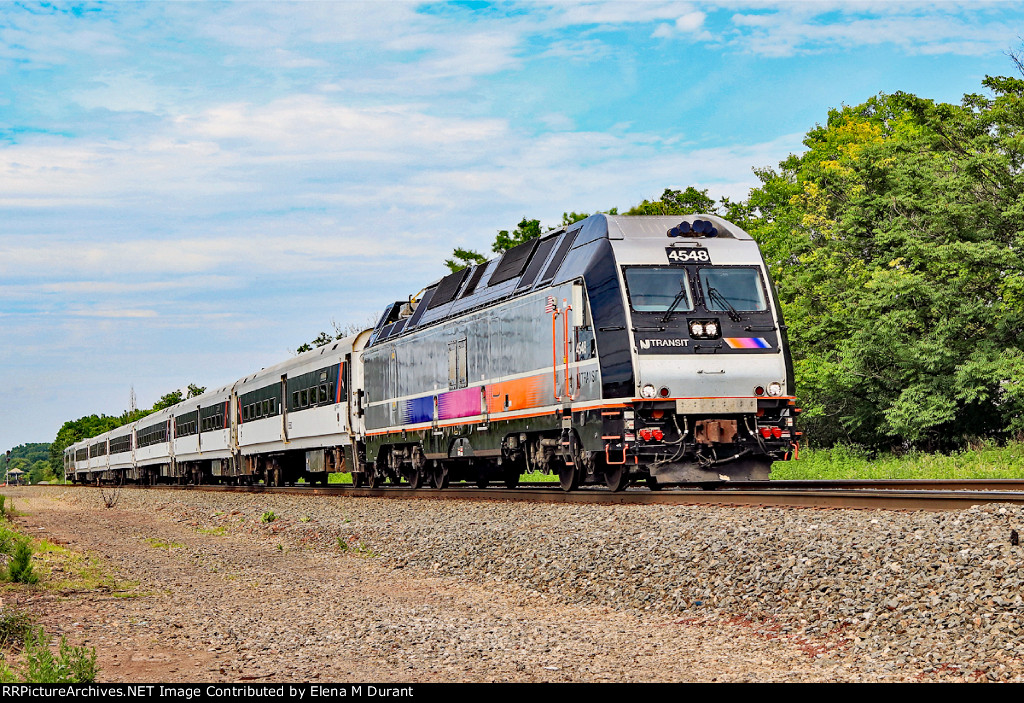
(880, 495)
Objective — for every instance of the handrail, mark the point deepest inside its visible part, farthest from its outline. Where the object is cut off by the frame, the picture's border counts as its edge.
(554, 355)
(565, 352)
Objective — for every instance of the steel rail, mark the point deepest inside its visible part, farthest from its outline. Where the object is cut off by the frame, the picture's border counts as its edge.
(841, 496)
(911, 484)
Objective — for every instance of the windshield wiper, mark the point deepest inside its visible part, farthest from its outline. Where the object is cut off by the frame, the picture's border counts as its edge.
(675, 301)
(721, 300)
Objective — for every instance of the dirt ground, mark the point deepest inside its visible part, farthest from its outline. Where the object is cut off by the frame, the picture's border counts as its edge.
(181, 604)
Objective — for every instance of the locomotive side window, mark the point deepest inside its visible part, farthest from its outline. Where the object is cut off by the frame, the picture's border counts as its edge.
(740, 288)
(657, 289)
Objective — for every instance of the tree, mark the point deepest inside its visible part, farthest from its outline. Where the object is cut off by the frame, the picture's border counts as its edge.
(895, 245)
(167, 400)
(524, 232)
(463, 258)
(339, 332)
(677, 202)
(74, 431)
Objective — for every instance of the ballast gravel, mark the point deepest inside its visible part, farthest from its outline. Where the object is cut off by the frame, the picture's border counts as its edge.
(283, 587)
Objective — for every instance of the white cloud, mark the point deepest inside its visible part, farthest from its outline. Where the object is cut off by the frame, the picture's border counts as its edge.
(916, 28)
(613, 12)
(308, 125)
(112, 313)
(689, 25)
(690, 22)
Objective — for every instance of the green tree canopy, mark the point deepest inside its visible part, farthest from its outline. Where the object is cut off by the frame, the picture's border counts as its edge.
(895, 243)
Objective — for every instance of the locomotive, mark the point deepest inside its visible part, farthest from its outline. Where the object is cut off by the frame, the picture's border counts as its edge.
(616, 350)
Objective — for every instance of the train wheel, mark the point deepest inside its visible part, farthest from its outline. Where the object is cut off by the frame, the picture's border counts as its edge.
(358, 480)
(440, 476)
(416, 479)
(374, 478)
(616, 477)
(569, 478)
(482, 480)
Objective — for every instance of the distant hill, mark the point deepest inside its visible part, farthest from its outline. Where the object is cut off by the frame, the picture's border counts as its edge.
(34, 459)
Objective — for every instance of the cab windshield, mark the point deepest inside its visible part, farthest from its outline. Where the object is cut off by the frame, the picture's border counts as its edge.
(658, 289)
(738, 288)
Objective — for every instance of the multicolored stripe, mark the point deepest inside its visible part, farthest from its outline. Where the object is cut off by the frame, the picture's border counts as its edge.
(516, 394)
(747, 342)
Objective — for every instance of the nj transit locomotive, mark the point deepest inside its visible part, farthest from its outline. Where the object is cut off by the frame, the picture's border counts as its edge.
(617, 350)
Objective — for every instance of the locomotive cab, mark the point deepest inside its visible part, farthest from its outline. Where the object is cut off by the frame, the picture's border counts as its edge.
(713, 385)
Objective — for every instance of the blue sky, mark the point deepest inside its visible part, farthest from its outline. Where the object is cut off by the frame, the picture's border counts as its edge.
(188, 191)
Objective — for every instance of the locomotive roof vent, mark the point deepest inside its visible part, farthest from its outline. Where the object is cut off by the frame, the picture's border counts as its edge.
(697, 228)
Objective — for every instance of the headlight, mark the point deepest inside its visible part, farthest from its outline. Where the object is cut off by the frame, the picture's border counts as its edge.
(648, 391)
(704, 329)
(774, 388)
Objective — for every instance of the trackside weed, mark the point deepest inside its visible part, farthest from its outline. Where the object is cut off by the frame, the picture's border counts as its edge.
(15, 627)
(69, 665)
(19, 569)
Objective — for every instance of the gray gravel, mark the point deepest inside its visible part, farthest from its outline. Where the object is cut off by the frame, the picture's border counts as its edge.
(874, 595)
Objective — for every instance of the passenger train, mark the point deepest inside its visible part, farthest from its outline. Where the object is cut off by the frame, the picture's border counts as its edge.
(616, 350)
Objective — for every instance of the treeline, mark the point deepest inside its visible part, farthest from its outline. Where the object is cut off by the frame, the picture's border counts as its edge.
(33, 458)
(91, 425)
(895, 243)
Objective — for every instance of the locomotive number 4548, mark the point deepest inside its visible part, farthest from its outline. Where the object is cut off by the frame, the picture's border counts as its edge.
(687, 256)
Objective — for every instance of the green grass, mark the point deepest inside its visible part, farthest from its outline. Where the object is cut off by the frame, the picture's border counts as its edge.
(985, 460)
(52, 567)
(65, 570)
(538, 478)
(218, 531)
(355, 546)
